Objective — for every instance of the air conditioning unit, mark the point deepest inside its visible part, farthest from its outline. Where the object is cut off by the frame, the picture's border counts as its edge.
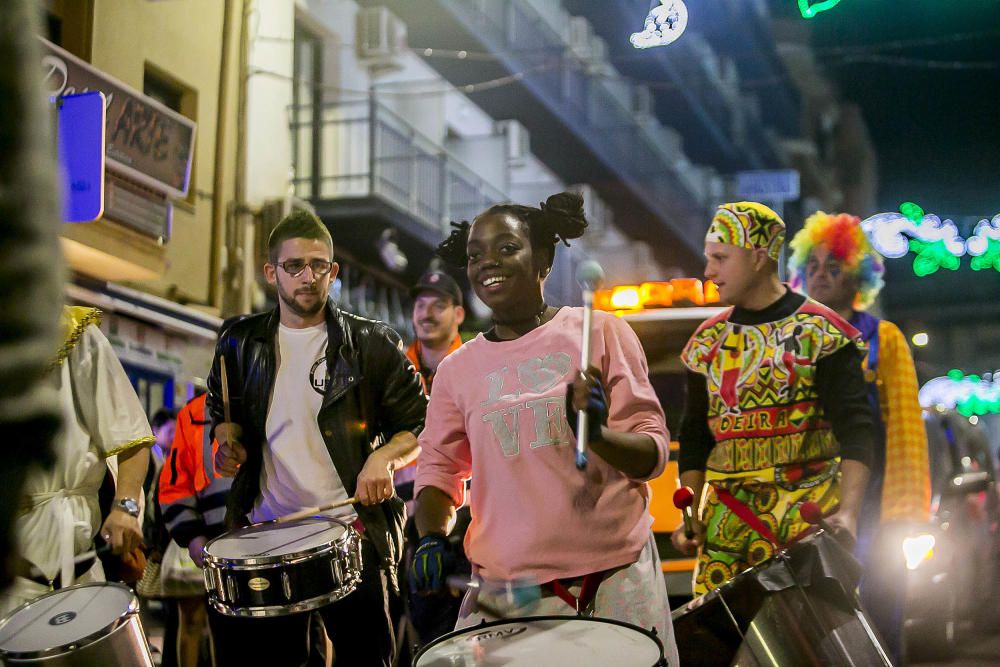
(518, 141)
(581, 33)
(381, 38)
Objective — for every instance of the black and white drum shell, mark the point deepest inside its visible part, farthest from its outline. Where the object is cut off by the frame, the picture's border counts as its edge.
(83, 625)
(272, 569)
(555, 641)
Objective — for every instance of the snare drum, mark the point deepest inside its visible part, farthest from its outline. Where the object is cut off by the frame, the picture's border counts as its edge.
(572, 641)
(276, 569)
(88, 624)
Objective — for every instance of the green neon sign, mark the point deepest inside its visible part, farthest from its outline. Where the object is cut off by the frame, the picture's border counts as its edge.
(809, 9)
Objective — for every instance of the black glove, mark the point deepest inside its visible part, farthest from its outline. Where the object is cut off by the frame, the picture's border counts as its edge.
(432, 562)
(597, 410)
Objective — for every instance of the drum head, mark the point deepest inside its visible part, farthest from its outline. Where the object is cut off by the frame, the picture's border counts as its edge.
(544, 640)
(71, 617)
(274, 540)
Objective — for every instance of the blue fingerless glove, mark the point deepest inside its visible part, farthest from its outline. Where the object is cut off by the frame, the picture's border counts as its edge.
(597, 410)
(432, 562)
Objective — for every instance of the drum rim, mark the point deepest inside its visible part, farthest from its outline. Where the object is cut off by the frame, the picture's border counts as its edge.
(552, 617)
(781, 556)
(274, 611)
(349, 535)
(131, 611)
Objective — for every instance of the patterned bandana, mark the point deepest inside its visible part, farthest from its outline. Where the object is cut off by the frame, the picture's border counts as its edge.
(750, 225)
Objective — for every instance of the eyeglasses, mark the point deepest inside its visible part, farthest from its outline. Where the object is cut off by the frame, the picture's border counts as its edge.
(295, 267)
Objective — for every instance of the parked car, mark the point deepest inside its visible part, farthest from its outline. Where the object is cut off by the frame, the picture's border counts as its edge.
(953, 582)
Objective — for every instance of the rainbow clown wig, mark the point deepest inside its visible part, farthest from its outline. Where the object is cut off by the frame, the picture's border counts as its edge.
(841, 234)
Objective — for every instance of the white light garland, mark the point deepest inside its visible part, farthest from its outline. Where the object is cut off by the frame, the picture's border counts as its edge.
(888, 233)
(986, 230)
(664, 25)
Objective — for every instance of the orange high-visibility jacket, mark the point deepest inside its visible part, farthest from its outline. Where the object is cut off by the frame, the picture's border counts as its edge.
(192, 498)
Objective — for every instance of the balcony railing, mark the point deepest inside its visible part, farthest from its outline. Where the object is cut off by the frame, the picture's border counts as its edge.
(596, 104)
(358, 149)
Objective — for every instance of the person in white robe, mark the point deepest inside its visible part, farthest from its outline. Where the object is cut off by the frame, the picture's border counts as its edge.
(59, 514)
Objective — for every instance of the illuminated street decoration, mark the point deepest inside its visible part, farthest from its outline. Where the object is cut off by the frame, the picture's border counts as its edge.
(936, 243)
(912, 211)
(984, 245)
(970, 395)
(931, 256)
(810, 9)
(665, 23)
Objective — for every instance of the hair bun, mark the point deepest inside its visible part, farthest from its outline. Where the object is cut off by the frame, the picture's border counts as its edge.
(565, 211)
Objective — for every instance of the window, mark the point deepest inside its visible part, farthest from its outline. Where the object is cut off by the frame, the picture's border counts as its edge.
(162, 91)
(70, 24)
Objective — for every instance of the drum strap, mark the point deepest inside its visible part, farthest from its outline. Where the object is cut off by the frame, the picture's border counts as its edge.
(588, 591)
(746, 515)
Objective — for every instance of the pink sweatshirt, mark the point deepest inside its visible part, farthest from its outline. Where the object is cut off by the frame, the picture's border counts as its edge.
(497, 415)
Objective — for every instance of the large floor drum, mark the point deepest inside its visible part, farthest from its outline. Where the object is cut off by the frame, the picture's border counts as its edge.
(79, 626)
(554, 641)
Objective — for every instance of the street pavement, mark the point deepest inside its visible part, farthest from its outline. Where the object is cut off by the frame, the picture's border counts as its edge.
(975, 649)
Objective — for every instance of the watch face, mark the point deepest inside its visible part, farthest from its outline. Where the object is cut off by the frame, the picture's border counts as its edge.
(129, 505)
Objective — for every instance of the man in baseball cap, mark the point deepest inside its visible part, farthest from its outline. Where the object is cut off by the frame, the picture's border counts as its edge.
(437, 314)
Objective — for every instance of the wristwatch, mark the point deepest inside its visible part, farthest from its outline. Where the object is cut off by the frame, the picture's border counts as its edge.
(127, 505)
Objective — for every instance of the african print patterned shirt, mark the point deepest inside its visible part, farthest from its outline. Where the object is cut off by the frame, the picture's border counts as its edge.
(763, 407)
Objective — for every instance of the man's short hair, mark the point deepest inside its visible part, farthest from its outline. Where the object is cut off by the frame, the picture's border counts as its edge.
(162, 416)
(298, 224)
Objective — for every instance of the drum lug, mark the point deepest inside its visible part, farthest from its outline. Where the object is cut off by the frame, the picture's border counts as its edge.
(231, 589)
(286, 584)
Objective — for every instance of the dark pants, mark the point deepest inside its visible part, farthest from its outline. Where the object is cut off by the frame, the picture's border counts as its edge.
(358, 625)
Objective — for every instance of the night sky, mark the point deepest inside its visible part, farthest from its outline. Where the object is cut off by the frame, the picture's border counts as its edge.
(937, 131)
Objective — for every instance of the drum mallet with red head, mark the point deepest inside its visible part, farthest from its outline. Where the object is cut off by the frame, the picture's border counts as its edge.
(812, 514)
(683, 500)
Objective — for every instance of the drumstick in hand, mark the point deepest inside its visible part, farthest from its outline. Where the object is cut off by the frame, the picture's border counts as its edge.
(225, 390)
(310, 511)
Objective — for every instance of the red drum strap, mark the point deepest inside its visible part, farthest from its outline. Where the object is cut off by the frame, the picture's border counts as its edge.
(746, 514)
(588, 590)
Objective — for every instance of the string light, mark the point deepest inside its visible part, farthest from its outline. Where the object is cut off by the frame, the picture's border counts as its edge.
(936, 243)
(664, 25)
(912, 211)
(970, 395)
(809, 10)
(931, 256)
(984, 245)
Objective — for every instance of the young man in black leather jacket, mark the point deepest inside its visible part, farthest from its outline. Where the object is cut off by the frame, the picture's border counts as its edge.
(324, 406)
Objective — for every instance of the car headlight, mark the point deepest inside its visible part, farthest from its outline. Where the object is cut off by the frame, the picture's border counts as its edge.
(917, 549)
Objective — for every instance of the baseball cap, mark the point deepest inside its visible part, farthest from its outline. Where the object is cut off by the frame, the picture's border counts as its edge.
(440, 282)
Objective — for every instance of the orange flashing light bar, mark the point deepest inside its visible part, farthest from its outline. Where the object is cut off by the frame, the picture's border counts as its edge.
(665, 294)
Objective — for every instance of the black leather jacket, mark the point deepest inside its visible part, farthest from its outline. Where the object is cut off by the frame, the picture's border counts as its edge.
(372, 393)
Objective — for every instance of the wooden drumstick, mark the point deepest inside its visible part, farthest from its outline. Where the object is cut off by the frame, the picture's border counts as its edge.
(225, 390)
(310, 511)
